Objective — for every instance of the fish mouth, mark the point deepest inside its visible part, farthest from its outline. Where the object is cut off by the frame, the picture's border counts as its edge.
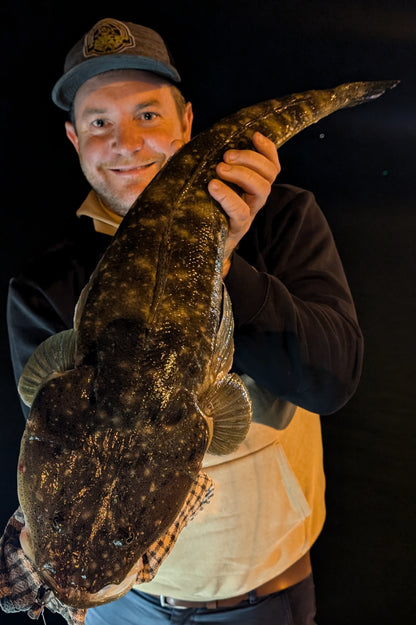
(78, 598)
(73, 595)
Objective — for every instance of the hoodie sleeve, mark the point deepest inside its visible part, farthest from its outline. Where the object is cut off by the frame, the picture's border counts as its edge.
(296, 329)
(42, 298)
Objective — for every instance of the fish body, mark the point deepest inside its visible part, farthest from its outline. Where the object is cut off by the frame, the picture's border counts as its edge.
(122, 406)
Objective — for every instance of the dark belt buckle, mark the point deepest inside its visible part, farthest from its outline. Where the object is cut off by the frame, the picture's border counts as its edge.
(165, 604)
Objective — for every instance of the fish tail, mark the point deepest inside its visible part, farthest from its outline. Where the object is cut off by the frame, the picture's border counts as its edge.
(355, 93)
(281, 119)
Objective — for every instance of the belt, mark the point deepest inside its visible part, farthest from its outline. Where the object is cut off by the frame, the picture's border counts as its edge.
(293, 575)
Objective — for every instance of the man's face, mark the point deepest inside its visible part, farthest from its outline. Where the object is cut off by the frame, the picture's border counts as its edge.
(127, 125)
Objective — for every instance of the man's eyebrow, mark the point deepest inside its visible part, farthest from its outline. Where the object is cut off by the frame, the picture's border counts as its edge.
(93, 111)
(139, 107)
(146, 103)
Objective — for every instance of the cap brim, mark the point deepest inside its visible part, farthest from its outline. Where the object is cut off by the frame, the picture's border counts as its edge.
(65, 89)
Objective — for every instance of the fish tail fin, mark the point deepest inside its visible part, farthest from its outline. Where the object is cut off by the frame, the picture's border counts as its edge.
(304, 109)
(227, 409)
(354, 93)
(55, 355)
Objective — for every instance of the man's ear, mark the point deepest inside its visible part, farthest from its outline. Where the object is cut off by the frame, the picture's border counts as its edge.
(188, 118)
(72, 135)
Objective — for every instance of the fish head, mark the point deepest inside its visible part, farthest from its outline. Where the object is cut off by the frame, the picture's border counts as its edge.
(89, 521)
(84, 530)
(96, 498)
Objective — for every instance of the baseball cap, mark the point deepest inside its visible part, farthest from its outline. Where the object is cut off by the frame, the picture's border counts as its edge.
(112, 44)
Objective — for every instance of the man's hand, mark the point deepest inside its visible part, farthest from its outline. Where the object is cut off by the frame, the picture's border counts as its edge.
(254, 172)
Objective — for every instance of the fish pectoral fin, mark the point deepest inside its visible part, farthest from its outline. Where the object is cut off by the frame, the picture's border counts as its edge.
(54, 356)
(228, 407)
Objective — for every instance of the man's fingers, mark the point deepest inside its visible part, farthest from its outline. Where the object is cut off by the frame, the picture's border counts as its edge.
(232, 204)
(264, 160)
(253, 184)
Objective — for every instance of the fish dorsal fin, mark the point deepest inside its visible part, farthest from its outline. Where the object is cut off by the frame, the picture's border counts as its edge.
(54, 356)
(224, 346)
(227, 407)
(80, 304)
(225, 402)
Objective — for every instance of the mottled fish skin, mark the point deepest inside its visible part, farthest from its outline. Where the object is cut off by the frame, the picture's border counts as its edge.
(186, 230)
(112, 446)
(183, 232)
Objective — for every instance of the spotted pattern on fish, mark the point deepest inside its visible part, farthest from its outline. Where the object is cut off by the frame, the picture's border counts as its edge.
(113, 445)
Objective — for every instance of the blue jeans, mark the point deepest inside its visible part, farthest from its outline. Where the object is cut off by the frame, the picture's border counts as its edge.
(293, 606)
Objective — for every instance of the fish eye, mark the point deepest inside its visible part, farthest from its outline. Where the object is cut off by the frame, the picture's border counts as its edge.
(57, 522)
(125, 538)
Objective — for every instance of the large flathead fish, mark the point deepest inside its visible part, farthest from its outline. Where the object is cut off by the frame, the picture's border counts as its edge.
(124, 407)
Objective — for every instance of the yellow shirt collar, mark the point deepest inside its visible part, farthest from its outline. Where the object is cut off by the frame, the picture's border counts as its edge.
(105, 220)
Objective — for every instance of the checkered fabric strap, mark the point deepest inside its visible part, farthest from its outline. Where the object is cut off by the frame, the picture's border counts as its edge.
(198, 496)
(21, 588)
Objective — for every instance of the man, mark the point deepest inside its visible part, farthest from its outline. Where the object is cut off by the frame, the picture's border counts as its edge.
(245, 558)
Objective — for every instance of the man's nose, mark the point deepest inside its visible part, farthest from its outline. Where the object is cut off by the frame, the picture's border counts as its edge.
(128, 138)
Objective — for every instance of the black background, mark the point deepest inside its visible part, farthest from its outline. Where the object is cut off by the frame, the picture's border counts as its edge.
(361, 165)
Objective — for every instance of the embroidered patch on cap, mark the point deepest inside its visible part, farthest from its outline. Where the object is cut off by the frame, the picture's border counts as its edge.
(107, 37)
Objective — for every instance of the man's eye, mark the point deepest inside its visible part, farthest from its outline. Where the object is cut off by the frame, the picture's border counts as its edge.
(148, 116)
(98, 123)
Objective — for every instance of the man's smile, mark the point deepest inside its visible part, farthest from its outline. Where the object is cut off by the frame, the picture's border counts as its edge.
(131, 170)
